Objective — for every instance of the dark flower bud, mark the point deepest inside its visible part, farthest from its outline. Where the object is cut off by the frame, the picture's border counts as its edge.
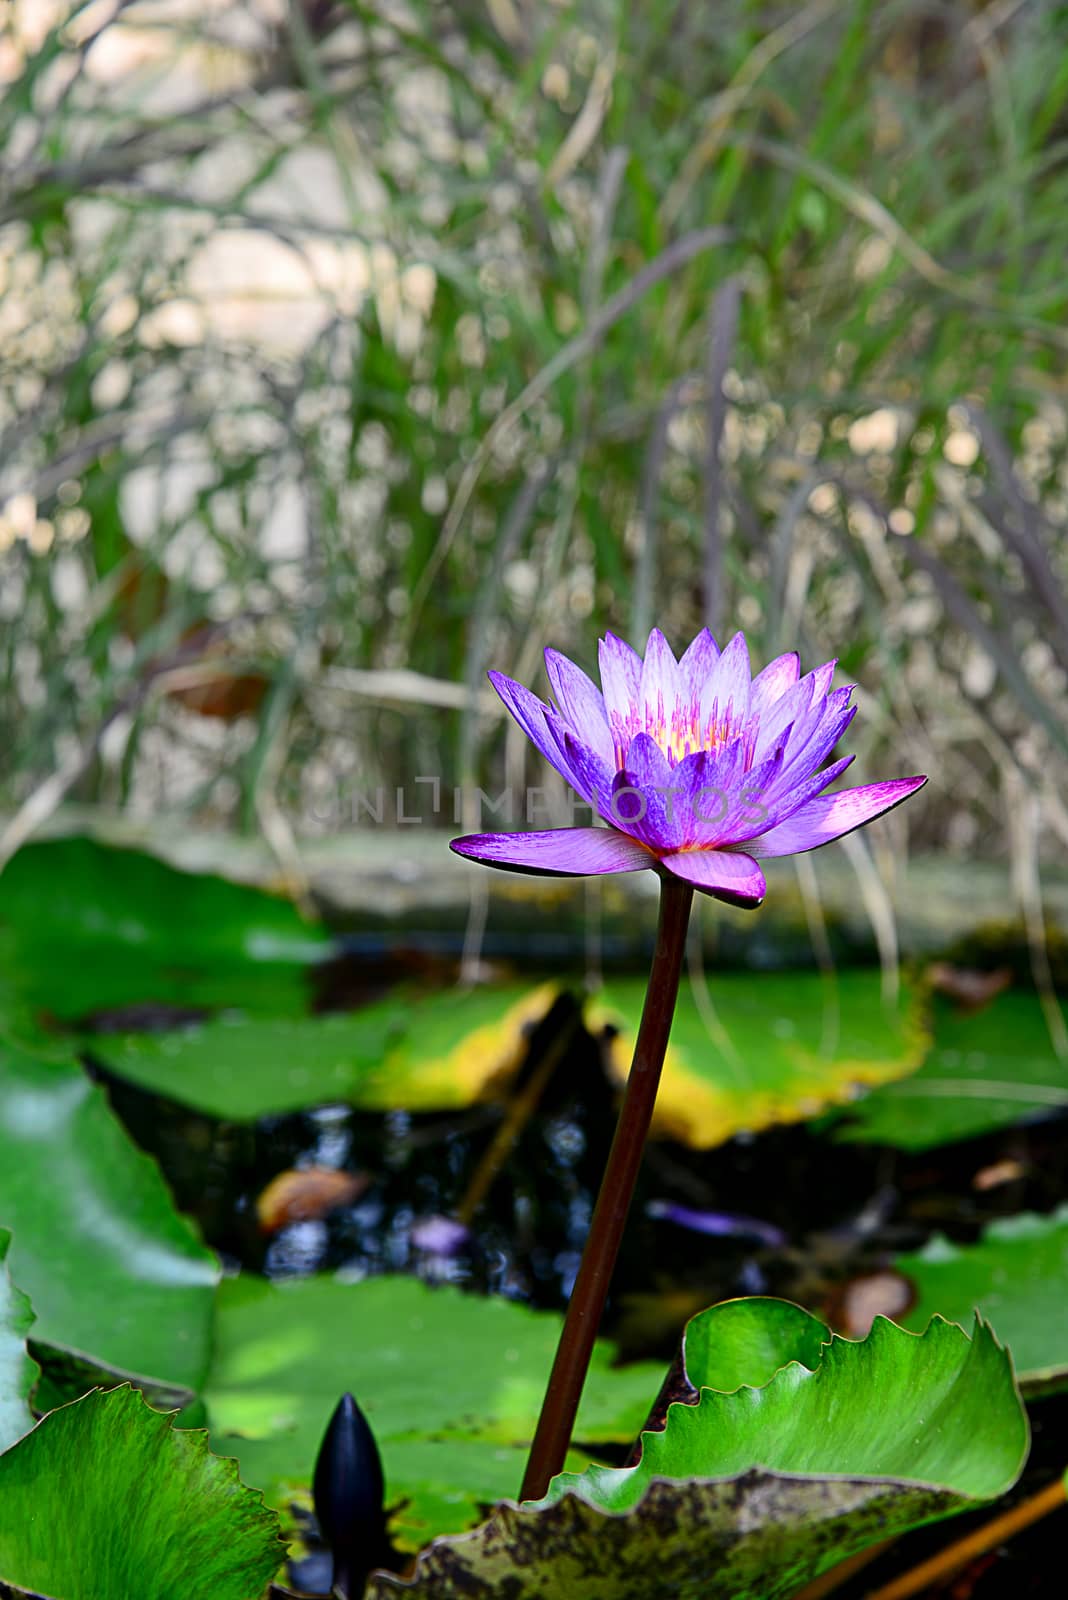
(348, 1490)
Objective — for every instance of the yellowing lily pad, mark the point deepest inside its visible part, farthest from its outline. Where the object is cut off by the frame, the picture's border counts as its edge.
(773, 1048)
(462, 1046)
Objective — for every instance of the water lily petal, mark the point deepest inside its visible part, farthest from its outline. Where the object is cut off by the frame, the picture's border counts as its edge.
(543, 726)
(720, 1224)
(725, 696)
(832, 815)
(659, 690)
(621, 676)
(529, 712)
(771, 684)
(581, 703)
(806, 694)
(775, 804)
(560, 852)
(695, 666)
(814, 735)
(707, 784)
(563, 742)
(644, 801)
(592, 777)
(724, 874)
(743, 809)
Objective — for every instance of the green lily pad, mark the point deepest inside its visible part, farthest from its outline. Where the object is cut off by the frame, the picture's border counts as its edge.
(746, 1342)
(406, 1052)
(105, 1499)
(114, 1273)
(18, 1373)
(87, 929)
(1016, 1276)
(991, 1069)
(445, 1487)
(749, 1495)
(773, 1052)
(451, 1383)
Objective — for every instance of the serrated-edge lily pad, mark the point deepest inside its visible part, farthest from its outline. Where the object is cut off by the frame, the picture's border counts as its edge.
(105, 1499)
(751, 1494)
(745, 1342)
(18, 1373)
(114, 1273)
(765, 1049)
(1017, 1276)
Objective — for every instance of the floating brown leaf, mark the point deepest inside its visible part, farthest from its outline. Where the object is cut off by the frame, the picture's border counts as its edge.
(305, 1194)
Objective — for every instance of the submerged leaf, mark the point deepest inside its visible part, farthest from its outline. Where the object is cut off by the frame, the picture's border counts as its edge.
(985, 1070)
(306, 1193)
(113, 1271)
(451, 1384)
(856, 1303)
(105, 1500)
(764, 1050)
(1016, 1276)
(751, 1494)
(18, 1373)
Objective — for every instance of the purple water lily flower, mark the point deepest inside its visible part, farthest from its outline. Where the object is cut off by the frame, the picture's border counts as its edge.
(697, 767)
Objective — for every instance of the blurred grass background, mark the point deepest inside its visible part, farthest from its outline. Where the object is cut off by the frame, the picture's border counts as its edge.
(348, 348)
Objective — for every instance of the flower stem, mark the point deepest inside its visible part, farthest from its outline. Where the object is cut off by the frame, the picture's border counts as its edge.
(553, 1434)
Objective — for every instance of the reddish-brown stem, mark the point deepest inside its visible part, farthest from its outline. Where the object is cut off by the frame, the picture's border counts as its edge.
(553, 1434)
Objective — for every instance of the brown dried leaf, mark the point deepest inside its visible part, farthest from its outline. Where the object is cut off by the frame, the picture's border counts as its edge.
(971, 989)
(867, 1296)
(307, 1193)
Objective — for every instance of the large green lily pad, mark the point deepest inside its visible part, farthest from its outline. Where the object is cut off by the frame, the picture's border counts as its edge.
(987, 1070)
(407, 1052)
(18, 1373)
(105, 1500)
(751, 1494)
(777, 1048)
(87, 929)
(1017, 1276)
(114, 1273)
(451, 1383)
